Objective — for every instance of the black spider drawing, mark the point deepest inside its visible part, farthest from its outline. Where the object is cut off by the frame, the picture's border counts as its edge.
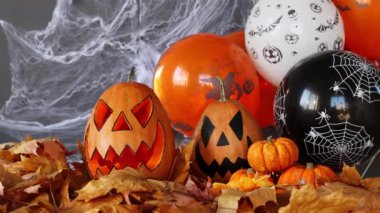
(330, 24)
(261, 30)
(233, 89)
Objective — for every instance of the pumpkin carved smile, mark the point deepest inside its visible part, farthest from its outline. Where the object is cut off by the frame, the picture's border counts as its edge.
(150, 157)
(222, 169)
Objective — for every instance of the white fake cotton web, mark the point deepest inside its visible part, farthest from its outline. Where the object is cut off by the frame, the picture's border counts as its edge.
(59, 72)
(335, 143)
(279, 108)
(357, 76)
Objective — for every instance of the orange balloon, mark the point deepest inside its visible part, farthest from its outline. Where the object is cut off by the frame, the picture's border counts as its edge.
(185, 78)
(237, 38)
(265, 117)
(361, 24)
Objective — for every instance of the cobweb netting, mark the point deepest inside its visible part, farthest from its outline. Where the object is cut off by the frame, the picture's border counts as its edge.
(335, 143)
(59, 72)
(361, 78)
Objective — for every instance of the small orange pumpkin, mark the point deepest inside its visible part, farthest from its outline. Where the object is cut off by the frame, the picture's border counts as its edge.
(129, 128)
(301, 175)
(245, 180)
(272, 155)
(223, 136)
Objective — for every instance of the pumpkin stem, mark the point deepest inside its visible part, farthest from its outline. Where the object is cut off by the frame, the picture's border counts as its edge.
(270, 139)
(222, 90)
(132, 74)
(309, 165)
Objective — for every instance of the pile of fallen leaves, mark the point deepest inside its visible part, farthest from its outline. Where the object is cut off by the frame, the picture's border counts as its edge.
(35, 176)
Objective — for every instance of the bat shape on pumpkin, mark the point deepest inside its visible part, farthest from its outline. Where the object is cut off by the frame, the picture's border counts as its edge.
(144, 155)
(233, 89)
(330, 24)
(268, 29)
(214, 167)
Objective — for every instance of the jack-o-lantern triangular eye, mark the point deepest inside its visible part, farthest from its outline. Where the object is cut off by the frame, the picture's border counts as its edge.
(102, 113)
(206, 130)
(143, 111)
(236, 125)
(121, 123)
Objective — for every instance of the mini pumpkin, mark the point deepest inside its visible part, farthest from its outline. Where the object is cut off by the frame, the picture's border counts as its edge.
(301, 175)
(129, 128)
(272, 155)
(223, 136)
(245, 180)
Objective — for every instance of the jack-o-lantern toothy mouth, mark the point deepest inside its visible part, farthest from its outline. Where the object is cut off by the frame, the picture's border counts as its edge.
(222, 168)
(151, 157)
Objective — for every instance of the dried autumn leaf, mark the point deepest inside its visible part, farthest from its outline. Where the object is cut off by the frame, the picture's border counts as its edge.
(334, 197)
(229, 199)
(32, 189)
(202, 194)
(39, 204)
(198, 208)
(182, 163)
(94, 205)
(349, 175)
(9, 179)
(372, 184)
(1, 189)
(123, 181)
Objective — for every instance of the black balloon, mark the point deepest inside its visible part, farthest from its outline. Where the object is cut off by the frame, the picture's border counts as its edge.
(329, 104)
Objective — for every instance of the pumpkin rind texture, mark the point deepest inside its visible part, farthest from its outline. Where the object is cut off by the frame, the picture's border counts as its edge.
(223, 136)
(129, 127)
(301, 175)
(273, 155)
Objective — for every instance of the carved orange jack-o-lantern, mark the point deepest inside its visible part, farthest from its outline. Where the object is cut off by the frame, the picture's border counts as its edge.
(223, 136)
(129, 128)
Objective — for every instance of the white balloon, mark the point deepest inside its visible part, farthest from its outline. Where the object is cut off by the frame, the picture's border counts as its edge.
(280, 33)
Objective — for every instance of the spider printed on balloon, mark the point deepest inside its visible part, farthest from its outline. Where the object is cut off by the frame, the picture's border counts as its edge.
(288, 32)
(328, 103)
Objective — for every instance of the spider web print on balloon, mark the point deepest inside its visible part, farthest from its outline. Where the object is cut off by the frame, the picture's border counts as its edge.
(361, 78)
(279, 108)
(335, 143)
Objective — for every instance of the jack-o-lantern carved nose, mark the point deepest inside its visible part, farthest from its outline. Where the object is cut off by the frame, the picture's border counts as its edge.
(222, 140)
(121, 123)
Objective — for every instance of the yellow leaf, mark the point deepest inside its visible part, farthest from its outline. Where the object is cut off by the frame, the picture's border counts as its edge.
(228, 201)
(349, 175)
(181, 167)
(1, 189)
(332, 198)
(261, 196)
(372, 184)
(124, 180)
(39, 204)
(25, 147)
(32, 189)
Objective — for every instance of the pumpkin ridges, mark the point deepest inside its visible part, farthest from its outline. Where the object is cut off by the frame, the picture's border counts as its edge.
(256, 153)
(292, 148)
(293, 175)
(271, 157)
(283, 155)
(326, 171)
(308, 176)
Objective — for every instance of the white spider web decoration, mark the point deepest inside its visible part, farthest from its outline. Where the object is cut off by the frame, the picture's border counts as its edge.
(335, 143)
(279, 108)
(361, 78)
